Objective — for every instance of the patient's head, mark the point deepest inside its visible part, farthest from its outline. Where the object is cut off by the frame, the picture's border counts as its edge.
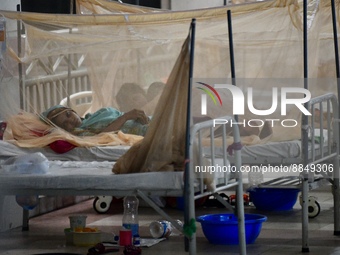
(131, 96)
(155, 89)
(63, 117)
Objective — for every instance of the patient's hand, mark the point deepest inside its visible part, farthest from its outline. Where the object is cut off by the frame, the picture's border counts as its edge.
(137, 115)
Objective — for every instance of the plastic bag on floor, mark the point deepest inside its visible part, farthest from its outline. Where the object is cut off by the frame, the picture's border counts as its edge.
(35, 163)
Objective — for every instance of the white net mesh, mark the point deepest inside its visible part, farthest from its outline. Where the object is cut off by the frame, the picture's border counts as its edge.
(60, 55)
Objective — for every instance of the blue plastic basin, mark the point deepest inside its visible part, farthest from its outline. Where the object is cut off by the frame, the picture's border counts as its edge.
(223, 228)
(273, 199)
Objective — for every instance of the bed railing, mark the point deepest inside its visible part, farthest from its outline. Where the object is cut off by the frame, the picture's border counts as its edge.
(218, 167)
(223, 182)
(323, 128)
(42, 93)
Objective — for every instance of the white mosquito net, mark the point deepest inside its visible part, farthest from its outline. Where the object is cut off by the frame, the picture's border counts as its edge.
(111, 44)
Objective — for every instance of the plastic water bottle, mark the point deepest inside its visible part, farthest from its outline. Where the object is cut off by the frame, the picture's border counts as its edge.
(160, 229)
(255, 178)
(130, 217)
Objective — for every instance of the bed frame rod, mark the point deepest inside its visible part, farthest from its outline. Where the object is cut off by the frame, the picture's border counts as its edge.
(20, 67)
(336, 55)
(188, 197)
(336, 50)
(304, 135)
(231, 53)
(239, 189)
(231, 48)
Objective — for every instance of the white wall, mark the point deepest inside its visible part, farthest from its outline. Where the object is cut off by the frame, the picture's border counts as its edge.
(176, 5)
(9, 5)
(10, 211)
(9, 86)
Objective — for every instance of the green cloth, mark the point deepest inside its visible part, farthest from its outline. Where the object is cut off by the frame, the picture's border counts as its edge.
(95, 122)
(45, 113)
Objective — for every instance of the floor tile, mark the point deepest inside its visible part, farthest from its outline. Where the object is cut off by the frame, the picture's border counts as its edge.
(281, 234)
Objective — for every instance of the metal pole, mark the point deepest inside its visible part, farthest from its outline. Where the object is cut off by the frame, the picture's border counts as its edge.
(336, 182)
(336, 50)
(231, 48)
(231, 52)
(189, 211)
(21, 81)
(71, 6)
(239, 190)
(304, 131)
(239, 196)
(69, 62)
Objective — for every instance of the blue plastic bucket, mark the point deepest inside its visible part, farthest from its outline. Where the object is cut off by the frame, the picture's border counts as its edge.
(273, 199)
(223, 228)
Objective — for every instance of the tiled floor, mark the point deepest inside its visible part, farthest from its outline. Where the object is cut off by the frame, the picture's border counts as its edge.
(281, 234)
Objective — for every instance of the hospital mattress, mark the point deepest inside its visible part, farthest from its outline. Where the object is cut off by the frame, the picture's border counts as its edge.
(271, 152)
(289, 149)
(107, 153)
(84, 178)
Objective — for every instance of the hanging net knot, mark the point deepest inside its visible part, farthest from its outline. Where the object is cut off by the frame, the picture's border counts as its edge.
(190, 229)
(234, 146)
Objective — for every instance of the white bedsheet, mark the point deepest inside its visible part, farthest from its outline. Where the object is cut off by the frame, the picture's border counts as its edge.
(288, 149)
(107, 153)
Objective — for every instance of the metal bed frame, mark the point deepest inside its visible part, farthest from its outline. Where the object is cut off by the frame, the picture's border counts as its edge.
(75, 79)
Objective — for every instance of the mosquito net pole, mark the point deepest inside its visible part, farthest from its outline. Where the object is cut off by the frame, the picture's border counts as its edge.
(231, 53)
(189, 211)
(20, 67)
(231, 48)
(239, 190)
(304, 133)
(336, 48)
(336, 183)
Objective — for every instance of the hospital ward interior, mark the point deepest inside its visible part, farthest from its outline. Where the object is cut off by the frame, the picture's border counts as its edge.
(169, 127)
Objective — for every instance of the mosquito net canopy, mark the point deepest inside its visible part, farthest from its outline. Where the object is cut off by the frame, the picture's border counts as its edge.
(120, 52)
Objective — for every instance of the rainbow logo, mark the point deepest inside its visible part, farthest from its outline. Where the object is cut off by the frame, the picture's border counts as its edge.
(209, 90)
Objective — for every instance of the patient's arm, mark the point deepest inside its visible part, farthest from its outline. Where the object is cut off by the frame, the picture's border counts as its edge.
(137, 115)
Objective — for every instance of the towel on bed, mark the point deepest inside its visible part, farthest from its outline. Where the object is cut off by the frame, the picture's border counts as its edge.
(163, 146)
(28, 131)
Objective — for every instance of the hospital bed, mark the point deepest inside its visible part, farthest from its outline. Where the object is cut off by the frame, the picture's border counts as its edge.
(74, 180)
(97, 179)
(69, 174)
(276, 153)
(71, 180)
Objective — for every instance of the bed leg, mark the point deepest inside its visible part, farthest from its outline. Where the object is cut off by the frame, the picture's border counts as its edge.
(191, 215)
(305, 220)
(336, 196)
(240, 215)
(25, 219)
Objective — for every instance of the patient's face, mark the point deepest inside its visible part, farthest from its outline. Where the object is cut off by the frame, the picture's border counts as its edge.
(134, 101)
(138, 101)
(67, 120)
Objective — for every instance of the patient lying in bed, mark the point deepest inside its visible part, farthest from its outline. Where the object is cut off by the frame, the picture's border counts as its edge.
(104, 120)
